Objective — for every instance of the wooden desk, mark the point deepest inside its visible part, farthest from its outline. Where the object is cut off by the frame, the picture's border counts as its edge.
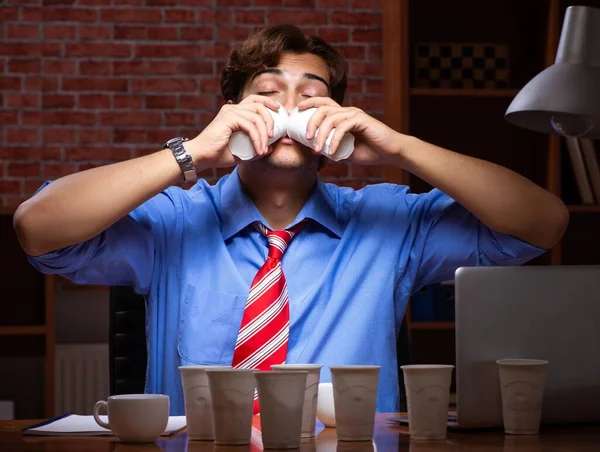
(387, 438)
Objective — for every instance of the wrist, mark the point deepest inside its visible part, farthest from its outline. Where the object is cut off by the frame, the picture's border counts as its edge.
(194, 148)
(403, 144)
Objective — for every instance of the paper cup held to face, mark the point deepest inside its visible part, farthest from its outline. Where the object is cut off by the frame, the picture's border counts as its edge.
(240, 144)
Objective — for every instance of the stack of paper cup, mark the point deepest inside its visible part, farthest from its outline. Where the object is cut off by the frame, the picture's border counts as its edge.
(296, 130)
(240, 144)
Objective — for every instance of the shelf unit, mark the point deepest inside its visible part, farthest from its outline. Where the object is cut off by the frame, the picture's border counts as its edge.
(465, 119)
(27, 327)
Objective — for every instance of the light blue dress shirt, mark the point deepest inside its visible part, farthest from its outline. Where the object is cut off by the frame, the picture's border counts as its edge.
(350, 272)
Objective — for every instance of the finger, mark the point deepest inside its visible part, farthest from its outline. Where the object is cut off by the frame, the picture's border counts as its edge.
(265, 100)
(317, 118)
(249, 127)
(340, 130)
(261, 109)
(317, 102)
(259, 122)
(328, 124)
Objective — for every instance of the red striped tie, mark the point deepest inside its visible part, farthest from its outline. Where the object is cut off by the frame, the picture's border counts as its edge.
(263, 336)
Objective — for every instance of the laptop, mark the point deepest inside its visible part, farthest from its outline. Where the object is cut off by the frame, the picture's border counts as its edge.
(543, 312)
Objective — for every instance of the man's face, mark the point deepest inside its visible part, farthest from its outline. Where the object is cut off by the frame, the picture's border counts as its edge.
(295, 78)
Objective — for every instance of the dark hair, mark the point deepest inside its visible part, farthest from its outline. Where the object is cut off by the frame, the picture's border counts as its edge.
(263, 49)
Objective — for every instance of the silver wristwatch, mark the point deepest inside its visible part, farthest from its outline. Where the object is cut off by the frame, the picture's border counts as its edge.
(183, 158)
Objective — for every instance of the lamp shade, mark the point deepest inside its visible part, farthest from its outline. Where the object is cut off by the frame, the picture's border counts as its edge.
(565, 97)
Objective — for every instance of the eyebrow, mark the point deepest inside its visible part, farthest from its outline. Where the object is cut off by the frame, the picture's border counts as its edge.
(306, 75)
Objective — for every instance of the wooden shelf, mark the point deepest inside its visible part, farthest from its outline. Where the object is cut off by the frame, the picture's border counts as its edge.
(25, 330)
(584, 208)
(463, 92)
(431, 325)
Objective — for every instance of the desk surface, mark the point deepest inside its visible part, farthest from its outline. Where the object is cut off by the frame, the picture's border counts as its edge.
(388, 437)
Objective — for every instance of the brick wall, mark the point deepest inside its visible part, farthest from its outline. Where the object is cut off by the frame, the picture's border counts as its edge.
(89, 82)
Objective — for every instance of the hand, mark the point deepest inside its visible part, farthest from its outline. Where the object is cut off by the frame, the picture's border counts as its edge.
(375, 143)
(249, 116)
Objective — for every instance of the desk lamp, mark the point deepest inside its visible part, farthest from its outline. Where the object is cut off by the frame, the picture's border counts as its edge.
(565, 97)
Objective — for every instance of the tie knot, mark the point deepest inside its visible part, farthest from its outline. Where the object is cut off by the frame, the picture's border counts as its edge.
(279, 240)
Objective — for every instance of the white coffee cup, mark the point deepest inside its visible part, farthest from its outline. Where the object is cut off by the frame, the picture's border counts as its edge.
(197, 400)
(428, 397)
(296, 130)
(240, 144)
(355, 399)
(311, 395)
(135, 418)
(326, 405)
(522, 384)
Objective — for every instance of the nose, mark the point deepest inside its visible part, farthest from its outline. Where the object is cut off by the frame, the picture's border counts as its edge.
(289, 103)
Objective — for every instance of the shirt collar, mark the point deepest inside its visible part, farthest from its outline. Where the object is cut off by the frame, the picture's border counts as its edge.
(238, 210)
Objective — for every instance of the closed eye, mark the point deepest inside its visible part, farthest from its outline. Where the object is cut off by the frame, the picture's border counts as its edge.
(266, 93)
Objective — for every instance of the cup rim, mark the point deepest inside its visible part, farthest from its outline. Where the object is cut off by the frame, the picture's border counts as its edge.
(137, 396)
(298, 366)
(521, 362)
(426, 366)
(272, 373)
(354, 367)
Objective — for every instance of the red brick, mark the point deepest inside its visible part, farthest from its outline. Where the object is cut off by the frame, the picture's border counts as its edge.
(332, 35)
(21, 135)
(98, 50)
(91, 67)
(367, 35)
(196, 101)
(215, 50)
(11, 186)
(334, 170)
(58, 100)
(197, 33)
(250, 17)
(24, 66)
(210, 85)
(22, 31)
(133, 15)
(59, 135)
(223, 17)
(9, 14)
(93, 84)
(95, 135)
(297, 17)
(195, 67)
(23, 169)
(373, 86)
(133, 118)
(162, 33)
(129, 136)
(178, 118)
(60, 67)
(363, 68)
(131, 2)
(168, 51)
(130, 32)
(300, 3)
(127, 101)
(93, 32)
(206, 3)
(375, 52)
(235, 3)
(327, 4)
(31, 49)
(355, 19)
(354, 86)
(93, 101)
(161, 101)
(367, 103)
(35, 83)
(61, 31)
(99, 153)
(10, 83)
(94, 2)
(180, 15)
(56, 170)
(9, 117)
(57, 117)
(232, 33)
(268, 2)
(163, 84)
(130, 67)
(161, 135)
(36, 153)
(373, 5)
(56, 2)
(352, 52)
(70, 14)
(22, 100)
(205, 16)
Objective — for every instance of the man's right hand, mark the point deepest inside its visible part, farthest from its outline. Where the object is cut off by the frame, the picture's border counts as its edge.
(209, 148)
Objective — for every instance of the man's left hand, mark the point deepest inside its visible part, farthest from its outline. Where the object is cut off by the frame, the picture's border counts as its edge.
(375, 143)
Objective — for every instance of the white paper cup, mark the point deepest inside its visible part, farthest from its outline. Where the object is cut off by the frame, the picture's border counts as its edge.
(296, 130)
(355, 399)
(281, 398)
(232, 394)
(428, 394)
(326, 405)
(522, 387)
(197, 400)
(135, 418)
(241, 145)
(311, 394)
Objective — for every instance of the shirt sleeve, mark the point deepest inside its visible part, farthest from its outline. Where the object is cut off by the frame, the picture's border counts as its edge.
(123, 254)
(448, 236)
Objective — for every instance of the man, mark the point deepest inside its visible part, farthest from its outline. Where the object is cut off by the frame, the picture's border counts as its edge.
(355, 258)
